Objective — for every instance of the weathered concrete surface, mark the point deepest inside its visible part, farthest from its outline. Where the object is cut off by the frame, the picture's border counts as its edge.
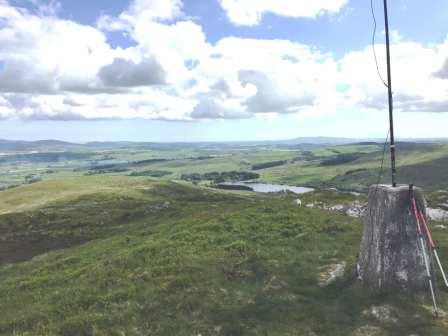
(390, 254)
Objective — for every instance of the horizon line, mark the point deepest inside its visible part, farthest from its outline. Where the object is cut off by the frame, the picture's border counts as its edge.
(354, 139)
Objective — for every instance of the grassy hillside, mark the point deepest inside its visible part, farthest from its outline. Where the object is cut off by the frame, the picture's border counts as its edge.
(161, 258)
(426, 169)
(422, 164)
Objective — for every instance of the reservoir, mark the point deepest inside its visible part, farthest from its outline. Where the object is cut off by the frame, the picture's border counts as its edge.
(263, 187)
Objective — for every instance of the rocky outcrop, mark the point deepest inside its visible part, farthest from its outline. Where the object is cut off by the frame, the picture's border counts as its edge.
(355, 209)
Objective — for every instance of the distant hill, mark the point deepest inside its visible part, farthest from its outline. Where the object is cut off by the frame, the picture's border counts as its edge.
(57, 145)
(322, 141)
(40, 145)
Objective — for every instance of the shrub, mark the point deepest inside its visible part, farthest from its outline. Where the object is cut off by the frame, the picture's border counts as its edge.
(265, 165)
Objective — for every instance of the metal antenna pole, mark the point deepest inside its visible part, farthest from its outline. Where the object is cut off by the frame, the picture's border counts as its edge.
(391, 102)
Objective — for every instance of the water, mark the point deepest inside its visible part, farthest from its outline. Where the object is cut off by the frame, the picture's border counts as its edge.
(266, 187)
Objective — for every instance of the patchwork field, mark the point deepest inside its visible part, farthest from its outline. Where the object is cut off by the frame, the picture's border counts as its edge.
(351, 167)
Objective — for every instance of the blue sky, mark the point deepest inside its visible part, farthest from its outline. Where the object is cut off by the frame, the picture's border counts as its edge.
(218, 70)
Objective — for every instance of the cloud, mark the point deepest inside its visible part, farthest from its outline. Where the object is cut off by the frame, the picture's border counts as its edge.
(147, 104)
(57, 69)
(61, 67)
(140, 11)
(421, 104)
(270, 97)
(443, 72)
(5, 109)
(47, 8)
(215, 108)
(44, 54)
(250, 12)
(282, 78)
(124, 73)
(418, 78)
(23, 77)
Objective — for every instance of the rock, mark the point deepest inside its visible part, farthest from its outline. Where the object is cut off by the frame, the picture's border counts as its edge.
(356, 210)
(338, 207)
(368, 330)
(443, 227)
(437, 214)
(383, 314)
(331, 273)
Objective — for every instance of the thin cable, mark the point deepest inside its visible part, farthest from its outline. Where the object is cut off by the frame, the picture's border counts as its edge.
(380, 174)
(373, 44)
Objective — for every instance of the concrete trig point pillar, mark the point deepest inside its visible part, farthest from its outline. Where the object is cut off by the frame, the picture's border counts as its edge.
(390, 255)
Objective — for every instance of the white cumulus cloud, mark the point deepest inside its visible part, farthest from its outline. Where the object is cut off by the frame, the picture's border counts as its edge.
(417, 73)
(51, 68)
(250, 12)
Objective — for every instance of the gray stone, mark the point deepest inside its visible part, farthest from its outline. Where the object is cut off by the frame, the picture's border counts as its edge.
(337, 207)
(437, 214)
(383, 314)
(390, 254)
(331, 273)
(368, 330)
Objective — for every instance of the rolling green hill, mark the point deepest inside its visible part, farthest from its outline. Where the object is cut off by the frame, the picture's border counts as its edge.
(144, 257)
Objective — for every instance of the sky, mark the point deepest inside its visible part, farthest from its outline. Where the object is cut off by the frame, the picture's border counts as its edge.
(219, 70)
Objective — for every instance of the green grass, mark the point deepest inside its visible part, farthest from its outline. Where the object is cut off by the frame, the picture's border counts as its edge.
(29, 197)
(192, 261)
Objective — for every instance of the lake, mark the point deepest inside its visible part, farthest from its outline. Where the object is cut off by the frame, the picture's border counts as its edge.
(263, 187)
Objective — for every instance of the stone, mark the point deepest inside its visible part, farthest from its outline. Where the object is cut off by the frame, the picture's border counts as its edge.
(383, 314)
(390, 254)
(437, 214)
(331, 273)
(356, 210)
(337, 207)
(368, 330)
